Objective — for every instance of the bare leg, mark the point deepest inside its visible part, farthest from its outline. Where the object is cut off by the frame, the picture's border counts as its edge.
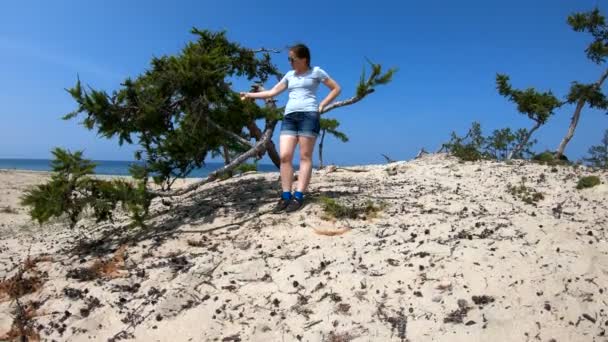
(307, 145)
(287, 145)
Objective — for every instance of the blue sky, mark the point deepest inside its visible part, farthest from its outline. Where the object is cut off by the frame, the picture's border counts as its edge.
(447, 52)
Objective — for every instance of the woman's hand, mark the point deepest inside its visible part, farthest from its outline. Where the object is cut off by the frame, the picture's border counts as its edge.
(335, 91)
(244, 96)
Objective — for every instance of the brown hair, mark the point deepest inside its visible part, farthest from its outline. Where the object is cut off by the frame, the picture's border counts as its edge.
(301, 51)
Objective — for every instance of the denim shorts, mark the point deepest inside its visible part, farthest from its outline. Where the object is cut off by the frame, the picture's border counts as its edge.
(306, 124)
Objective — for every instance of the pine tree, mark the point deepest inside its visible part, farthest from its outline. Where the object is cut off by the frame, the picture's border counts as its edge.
(179, 111)
(329, 126)
(580, 94)
(538, 106)
(598, 155)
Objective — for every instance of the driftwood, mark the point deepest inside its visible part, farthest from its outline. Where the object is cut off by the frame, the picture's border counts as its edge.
(421, 153)
(388, 159)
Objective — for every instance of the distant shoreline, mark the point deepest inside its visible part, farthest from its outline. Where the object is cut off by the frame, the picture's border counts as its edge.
(112, 167)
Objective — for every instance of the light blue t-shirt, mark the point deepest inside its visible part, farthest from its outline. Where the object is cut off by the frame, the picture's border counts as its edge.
(303, 90)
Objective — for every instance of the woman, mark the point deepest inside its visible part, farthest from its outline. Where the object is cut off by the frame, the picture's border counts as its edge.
(300, 124)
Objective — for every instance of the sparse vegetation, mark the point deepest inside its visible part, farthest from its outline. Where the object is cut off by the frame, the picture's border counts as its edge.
(526, 194)
(467, 148)
(23, 328)
(588, 182)
(333, 209)
(19, 285)
(72, 190)
(598, 155)
(500, 145)
(549, 158)
(247, 167)
(329, 126)
(26, 280)
(110, 268)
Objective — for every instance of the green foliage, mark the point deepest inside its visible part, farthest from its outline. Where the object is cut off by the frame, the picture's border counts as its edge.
(474, 146)
(179, 111)
(598, 155)
(167, 107)
(331, 126)
(588, 182)
(466, 153)
(594, 23)
(72, 190)
(544, 157)
(333, 209)
(504, 141)
(526, 194)
(498, 143)
(367, 83)
(548, 158)
(467, 148)
(247, 167)
(590, 93)
(536, 105)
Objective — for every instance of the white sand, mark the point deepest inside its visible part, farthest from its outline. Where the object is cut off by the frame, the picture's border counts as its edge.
(450, 231)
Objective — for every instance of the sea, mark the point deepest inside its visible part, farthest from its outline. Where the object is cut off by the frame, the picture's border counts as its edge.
(114, 167)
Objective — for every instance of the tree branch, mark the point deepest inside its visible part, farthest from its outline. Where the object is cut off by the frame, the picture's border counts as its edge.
(262, 146)
(523, 143)
(348, 102)
(576, 116)
(255, 132)
(421, 153)
(388, 159)
(263, 49)
(231, 134)
(270, 102)
(258, 149)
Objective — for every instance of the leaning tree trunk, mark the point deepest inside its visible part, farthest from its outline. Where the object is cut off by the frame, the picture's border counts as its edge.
(523, 143)
(255, 150)
(259, 148)
(272, 150)
(321, 150)
(575, 117)
(270, 146)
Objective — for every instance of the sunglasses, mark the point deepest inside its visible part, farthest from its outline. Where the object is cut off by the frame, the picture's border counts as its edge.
(291, 59)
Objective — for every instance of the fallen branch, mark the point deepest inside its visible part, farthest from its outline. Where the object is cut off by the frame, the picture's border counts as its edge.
(312, 324)
(388, 159)
(351, 170)
(421, 153)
